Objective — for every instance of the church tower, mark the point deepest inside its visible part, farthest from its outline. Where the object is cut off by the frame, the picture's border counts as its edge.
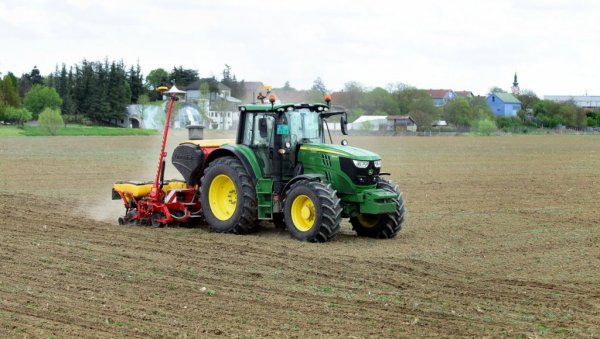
(515, 87)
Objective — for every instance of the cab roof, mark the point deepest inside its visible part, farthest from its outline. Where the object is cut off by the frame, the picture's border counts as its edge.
(269, 108)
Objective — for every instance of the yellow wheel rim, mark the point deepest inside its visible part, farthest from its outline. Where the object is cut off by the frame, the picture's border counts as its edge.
(368, 220)
(222, 197)
(303, 213)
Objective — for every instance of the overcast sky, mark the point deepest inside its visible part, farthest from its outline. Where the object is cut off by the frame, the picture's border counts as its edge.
(553, 45)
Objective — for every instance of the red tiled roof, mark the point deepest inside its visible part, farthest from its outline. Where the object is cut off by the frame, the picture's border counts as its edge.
(438, 93)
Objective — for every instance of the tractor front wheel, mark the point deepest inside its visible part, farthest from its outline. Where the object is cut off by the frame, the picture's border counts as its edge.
(228, 197)
(312, 211)
(383, 226)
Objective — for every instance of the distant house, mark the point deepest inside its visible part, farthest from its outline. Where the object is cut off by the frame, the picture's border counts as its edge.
(503, 104)
(465, 94)
(401, 123)
(590, 102)
(218, 94)
(441, 96)
(221, 106)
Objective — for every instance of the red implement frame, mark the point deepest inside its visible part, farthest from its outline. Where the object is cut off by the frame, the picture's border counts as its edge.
(162, 208)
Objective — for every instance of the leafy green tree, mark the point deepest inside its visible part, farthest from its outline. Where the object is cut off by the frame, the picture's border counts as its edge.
(552, 114)
(40, 97)
(12, 80)
(496, 89)
(485, 127)
(9, 95)
(418, 104)
(20, 115)
(379, 101)
(593, 118)
(466, 112)
(319, 85)
(508, 123)
(135, 81)
(459, 112)
(36, 77)
(62, 81)
(480, 108)
(118, 93)
(155, 78)
(183, 76)
(28, 80)
(351, 97)
(50, 121)
(100, 103)
(2, 110)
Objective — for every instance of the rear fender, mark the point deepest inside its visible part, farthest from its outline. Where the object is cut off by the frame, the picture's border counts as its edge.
(241, 152)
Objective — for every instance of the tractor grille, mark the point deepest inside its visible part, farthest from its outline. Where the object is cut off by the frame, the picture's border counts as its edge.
(360, 176)
(326, 159)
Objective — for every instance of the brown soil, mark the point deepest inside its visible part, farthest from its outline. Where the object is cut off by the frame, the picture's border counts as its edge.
(502, 239)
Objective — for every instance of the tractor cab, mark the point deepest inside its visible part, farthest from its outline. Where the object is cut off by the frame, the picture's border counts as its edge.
(276, 133)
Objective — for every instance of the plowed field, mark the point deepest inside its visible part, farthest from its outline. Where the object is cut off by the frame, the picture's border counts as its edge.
(501, 239)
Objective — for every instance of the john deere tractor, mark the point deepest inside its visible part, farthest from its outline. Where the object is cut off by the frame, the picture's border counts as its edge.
(281, 169)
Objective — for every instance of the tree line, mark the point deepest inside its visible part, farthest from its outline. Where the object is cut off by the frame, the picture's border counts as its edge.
(100, 91)
(461, 112)
(96, 92)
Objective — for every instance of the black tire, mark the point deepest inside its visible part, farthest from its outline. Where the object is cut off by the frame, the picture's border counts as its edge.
(238, 213)
(382, 226)
(312, 211)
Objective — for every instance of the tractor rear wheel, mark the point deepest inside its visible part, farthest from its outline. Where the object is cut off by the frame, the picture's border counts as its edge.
(383, 226)
(228, 197)
(312, 211)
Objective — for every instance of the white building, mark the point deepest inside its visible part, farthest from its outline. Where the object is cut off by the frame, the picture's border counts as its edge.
(585, 101)
(369, 123)
(223, 120)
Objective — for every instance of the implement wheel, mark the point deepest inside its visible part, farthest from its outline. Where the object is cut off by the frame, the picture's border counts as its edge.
(228, 197)
(383, 226)
(312, 211)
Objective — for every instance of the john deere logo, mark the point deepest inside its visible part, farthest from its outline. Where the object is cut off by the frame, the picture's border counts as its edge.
(371, 172)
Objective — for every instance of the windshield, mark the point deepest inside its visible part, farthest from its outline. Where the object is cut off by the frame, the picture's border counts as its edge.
(304, 126)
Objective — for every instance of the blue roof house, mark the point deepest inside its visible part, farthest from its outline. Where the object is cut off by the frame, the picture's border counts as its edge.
(503, 104)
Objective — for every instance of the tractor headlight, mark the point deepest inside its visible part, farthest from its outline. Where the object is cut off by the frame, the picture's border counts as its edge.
(377, 163)
(361, 163)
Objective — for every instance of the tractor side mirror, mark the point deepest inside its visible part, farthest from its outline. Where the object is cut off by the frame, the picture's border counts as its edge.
(344, 124)
(262, 127)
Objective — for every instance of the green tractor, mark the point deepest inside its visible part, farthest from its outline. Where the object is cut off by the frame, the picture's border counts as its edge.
(282, 170)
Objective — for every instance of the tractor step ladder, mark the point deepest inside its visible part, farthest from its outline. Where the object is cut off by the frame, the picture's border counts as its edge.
(264, 191)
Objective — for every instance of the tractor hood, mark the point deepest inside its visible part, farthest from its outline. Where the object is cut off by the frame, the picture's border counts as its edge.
(341, 151)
